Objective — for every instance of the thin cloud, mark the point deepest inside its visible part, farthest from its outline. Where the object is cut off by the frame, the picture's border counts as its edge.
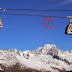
(66, 1)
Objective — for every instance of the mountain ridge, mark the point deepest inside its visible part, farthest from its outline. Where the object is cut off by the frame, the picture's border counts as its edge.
(47, 58)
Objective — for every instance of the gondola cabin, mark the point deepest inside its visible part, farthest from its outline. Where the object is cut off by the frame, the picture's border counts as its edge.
(68, 29)
(0, 23)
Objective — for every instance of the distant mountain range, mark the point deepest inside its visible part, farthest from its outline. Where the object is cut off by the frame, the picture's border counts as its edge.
(47, 58)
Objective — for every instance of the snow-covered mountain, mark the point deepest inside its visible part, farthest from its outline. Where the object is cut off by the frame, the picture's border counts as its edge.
(47, 58)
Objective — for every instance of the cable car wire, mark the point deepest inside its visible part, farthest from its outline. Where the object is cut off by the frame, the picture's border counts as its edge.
(32, 15)
(37, 10)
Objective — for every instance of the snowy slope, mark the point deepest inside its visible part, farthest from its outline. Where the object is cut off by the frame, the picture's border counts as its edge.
(45, 58)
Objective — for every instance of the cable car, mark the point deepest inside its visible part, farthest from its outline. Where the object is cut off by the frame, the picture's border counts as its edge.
(0, 23)
(68, 29)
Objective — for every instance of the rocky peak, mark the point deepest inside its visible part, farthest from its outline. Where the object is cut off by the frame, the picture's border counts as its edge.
(47, 49)
(4, 49)
(15, 51)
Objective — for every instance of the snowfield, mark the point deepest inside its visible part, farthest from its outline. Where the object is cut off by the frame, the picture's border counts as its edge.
(45, 58)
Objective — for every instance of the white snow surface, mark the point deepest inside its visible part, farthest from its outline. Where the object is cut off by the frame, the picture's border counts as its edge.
(38, 59)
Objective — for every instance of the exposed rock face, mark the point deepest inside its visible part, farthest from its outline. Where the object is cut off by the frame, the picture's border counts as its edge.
(15, 51)
(47, 58)
(4, 49)
(2, 68)
(16, 68)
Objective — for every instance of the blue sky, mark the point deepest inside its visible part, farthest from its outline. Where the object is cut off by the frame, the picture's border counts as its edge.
(28, 33)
